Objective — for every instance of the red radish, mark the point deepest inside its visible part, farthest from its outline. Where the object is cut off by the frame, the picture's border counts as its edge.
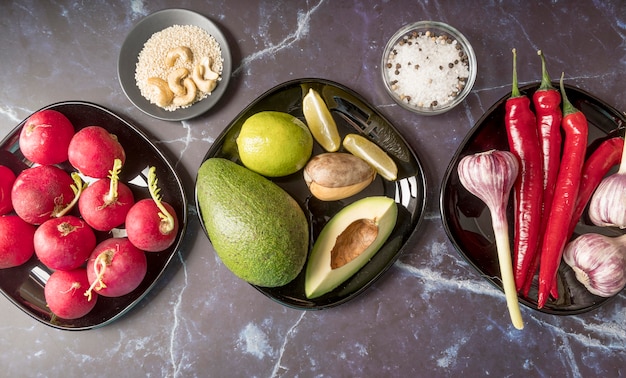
(93, 151)
(43, 192)
(105, 203)
(7, 178)
(151, 224)
(46, 136)
(16, 241)
(115, 268)
(64, 293)
(64, 243)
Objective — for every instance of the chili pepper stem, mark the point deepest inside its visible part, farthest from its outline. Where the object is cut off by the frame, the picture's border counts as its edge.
(546, 83)
(515, 88)
(622, 164)
(568, 108)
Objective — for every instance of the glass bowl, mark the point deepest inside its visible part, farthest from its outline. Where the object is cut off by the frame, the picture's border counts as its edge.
(428, 67)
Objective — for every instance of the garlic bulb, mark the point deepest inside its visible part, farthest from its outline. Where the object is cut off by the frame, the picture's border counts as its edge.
(599, 262)
(608, 205)
(490, 176)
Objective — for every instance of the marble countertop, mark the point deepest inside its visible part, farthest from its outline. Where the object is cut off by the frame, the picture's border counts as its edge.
(432, 314)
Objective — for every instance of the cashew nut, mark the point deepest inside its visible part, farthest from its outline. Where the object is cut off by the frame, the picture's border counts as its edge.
(162, 94)
(181, 52)
(190, 94)
(174, 80)
(205, 78)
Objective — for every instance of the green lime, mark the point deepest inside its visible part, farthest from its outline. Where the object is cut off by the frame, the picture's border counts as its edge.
(274, 144)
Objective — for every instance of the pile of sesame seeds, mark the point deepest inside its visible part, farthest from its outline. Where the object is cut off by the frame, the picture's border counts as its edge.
(151, 61)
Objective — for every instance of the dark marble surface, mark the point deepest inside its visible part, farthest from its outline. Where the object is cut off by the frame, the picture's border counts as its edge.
(432, 314)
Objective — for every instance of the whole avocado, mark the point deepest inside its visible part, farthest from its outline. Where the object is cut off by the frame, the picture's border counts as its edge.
(257, 229)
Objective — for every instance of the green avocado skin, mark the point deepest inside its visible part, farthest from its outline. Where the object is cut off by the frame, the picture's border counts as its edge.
(257, 229)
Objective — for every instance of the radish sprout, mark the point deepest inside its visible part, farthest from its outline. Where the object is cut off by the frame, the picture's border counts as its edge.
(167, 220)
(114, 176)
(77, 188)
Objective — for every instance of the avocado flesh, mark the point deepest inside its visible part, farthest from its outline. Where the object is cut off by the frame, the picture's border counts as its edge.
(320, 278)
(256, 228)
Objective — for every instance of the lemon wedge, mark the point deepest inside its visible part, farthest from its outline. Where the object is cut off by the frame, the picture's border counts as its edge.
(371, 153)
(320, 121)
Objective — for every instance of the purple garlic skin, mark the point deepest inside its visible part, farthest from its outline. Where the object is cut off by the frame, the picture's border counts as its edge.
(607, 207)
(489, 176)
(599, 262)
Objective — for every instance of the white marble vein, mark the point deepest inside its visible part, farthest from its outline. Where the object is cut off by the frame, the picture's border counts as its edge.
(10, 112)
(450, 354)
(278, 368)
(301, 31)
(138, 8)
(434, 281)
(254, 341)
(174, 348)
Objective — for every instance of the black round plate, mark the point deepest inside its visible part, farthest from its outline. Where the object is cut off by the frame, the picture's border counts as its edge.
(467, 221)
(352, 115)
(24, 285)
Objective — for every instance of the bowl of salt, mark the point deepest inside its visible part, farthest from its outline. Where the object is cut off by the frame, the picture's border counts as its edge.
(428, 67)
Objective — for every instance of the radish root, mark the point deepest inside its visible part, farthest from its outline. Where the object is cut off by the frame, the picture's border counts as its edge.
(75, 286)
(100, 264)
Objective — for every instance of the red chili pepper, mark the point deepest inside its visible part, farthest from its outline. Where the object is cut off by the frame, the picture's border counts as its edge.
(606, 156)
(521, 127)
(547, 101)
(575, 126)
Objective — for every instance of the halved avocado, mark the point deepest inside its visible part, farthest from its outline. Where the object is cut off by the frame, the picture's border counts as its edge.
(372, 216)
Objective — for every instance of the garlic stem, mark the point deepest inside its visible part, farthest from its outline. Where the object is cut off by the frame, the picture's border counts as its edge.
(490, 176)
(506, 272)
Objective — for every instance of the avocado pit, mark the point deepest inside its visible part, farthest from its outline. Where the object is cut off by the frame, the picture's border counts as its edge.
(355, 239)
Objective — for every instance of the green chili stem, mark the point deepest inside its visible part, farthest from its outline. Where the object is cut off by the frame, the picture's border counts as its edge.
(568, 108)
(515, 89)
(546, 83)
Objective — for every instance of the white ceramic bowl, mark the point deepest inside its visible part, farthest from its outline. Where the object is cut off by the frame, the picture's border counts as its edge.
(428, 67)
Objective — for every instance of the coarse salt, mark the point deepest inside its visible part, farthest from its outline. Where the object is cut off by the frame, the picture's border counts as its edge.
(426, 70)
